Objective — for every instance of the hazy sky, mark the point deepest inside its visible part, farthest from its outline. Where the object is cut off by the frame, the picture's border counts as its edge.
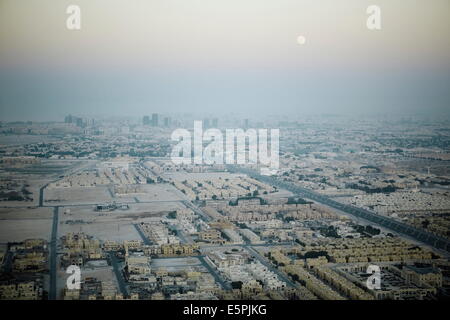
(135, 57)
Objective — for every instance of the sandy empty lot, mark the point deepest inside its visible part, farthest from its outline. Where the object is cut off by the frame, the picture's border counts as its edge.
(73, 196)
(18, 224)
(117, 225)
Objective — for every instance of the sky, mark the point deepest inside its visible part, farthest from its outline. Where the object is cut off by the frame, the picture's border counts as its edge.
(136, 57)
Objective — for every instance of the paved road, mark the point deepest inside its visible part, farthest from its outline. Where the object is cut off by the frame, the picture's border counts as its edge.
(144, 238)
(389, 223)
(269, 266)
(111, 193)
(97, 203)
(41, 195)
(118, 273)
(214, 273)
(7, 262)
(277, 244)
(197, 210)
(53, 255)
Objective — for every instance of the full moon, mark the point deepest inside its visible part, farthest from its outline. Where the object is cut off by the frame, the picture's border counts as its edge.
(301, 40)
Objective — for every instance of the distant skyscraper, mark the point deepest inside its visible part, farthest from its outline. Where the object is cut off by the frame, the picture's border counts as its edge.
(246, 124)
(167, 122)
(88, 122)
(146, 120)
(68, 119)
(155, 119)
(206, 123)
(215, 123)
(80, 122)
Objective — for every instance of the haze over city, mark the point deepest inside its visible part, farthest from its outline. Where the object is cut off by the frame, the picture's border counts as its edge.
(210, 56)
